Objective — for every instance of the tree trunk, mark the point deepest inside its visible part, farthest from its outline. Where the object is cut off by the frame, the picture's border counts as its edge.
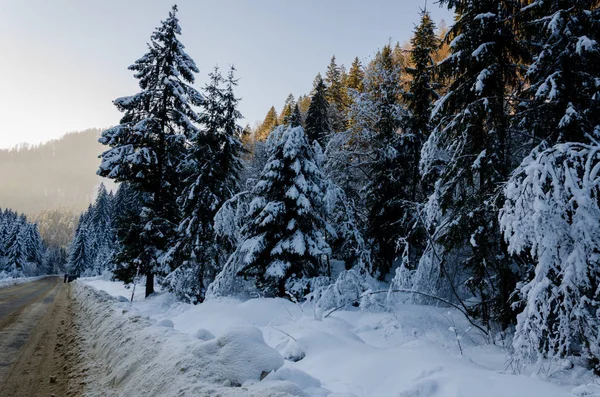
(149, 284)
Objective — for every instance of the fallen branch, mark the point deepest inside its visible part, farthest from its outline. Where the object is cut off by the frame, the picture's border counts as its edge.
(409, 291)
(285, 333)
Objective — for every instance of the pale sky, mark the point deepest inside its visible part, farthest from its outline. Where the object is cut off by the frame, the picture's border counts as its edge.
(64, 61)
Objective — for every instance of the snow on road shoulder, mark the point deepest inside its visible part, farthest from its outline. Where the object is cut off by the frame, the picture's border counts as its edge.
(412, 352)
(133, 355)
(9, 282)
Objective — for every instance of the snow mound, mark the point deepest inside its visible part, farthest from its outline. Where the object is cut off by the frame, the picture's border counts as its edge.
(407, 352)
(297, 376)
(204, 334)
(239, 356)
(166, 323)
(126, 355)
(590, 390)
(293, 351)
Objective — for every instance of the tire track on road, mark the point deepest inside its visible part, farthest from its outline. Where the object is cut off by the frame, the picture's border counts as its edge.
(38, 345)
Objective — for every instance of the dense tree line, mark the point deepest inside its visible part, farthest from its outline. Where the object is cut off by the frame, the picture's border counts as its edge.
(95, 241)
(462, 166)
(23, 253)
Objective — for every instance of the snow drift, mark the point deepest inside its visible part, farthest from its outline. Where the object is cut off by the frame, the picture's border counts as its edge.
(132, 355)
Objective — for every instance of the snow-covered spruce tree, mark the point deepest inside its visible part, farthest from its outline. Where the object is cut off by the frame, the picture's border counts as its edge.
(467, 155)
(5, 226)
(284, 232)
(421, 94)
(563, 99)
(103, 233)
(378, 115)
(317, 119)
(552, 212)
(229, 221)
(3, 233)
(211, 168)
(17, 255)
(15, 222)
(126, 223)
(419, 101)
(101, 217)
(4, 229)
(21, 247)
(148, 144)
(34, 245)
(345, 237)
(10, 226)
(97, 223)
(87, 225)
(79, 262)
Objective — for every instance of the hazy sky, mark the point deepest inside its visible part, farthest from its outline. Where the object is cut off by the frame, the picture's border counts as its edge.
(64, 61)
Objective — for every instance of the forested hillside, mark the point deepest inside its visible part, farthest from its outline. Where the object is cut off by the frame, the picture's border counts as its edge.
(59, 174)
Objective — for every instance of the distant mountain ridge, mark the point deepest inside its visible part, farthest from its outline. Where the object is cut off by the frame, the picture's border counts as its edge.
(59, 174)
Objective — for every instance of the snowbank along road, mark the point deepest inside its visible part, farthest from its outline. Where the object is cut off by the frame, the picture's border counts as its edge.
(37, 340)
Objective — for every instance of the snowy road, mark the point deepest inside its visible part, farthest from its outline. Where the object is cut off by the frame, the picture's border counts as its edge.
(34, 322)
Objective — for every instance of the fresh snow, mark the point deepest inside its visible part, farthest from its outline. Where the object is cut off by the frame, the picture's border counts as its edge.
(413, 351)
(585, 44)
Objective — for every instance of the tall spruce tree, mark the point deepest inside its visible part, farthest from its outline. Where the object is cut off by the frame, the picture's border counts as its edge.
(422, 91)
(336, 96)
(317, 118)
(34, 244)
(551, 210)
(419, 101)
(10, 229)
(384, 115)
(356, 75)
(102, 231)
(468, 154)
(126, 223)
(270, 122)
(3, 232)
(563, 100)
(18, 255)
(303, 104)
(79, 251)
(212, 166)
(101, 217)
(288, 109)
(148, 144)
(283, 236)
(295, 119)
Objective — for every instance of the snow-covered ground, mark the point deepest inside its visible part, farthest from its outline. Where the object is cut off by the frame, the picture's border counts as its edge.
(9, 281)
(411, 352)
